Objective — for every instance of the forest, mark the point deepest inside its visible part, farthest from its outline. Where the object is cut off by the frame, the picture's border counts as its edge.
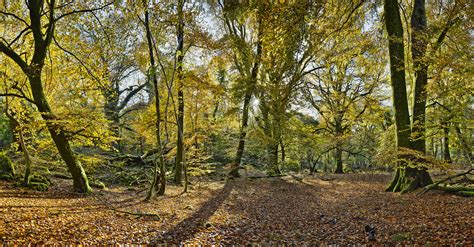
(236, 122)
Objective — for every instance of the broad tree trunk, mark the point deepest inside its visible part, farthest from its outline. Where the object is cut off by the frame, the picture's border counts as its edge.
(406, 178)
(80, 181)
(418, 51)
(179, 73)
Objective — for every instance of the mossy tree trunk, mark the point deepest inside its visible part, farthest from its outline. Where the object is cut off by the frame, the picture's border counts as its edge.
(406, 178)
(418, 51)
(33, 72)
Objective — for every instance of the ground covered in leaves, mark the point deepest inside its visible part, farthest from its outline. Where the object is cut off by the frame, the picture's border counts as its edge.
(321, 209)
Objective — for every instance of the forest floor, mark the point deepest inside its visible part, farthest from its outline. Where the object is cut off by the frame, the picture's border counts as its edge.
(321, 209)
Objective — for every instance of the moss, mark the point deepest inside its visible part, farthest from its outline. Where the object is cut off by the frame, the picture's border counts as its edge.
(37, 178)
(7, 177)
(6, 165)
(38, 186)
(466, 193)
(401, 236)
(97, 184)
(408, 179)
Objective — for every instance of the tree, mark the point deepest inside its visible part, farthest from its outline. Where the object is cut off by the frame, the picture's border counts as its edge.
(287, 52)
(112, 40)
(179, 82)
(42, 37)
(407, 178)
(341, 91)
(245, 60)
(158, 184)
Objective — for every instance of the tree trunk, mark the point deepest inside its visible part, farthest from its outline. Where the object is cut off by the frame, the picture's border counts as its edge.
(19, 138)
(338, 158)
(179, 73)
(338, 152)
(112, 114)
(272, 150)
(446, 151)
(26, 178)
(397, 72)
(283, 154)
(158, 185)
(243, 128)
(13, 126)
(406, 178)
(80, 181)
(464, 144)
(418, 51)
(33, 72)
(248, 96)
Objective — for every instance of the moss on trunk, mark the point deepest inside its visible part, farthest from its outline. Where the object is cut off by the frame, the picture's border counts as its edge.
(6, 166)
(408, 179)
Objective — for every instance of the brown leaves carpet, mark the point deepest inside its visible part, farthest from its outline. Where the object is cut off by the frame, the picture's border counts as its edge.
(287, 210)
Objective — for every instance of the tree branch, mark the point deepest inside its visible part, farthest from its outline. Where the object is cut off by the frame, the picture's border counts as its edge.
(14, 56)
(83, 11)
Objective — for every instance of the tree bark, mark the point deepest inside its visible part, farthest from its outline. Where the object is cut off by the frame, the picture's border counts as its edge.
(406, 178)
(397, 72)
(111, 111)
(418, 51)
(464, 144)
(273, 158)
(338, 153)
(179, 73)
(446, 151)
(158, 185)
(19, 138)
(338, 158)
(283, 153)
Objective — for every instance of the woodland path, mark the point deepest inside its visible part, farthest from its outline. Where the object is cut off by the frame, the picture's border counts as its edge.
(268, 210)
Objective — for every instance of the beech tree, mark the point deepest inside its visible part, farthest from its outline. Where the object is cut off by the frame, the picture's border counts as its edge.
(407, 178)
(42, 37)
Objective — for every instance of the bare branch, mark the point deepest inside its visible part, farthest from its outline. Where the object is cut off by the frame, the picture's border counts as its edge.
(14, 56)
(16, 17)
(83, 11)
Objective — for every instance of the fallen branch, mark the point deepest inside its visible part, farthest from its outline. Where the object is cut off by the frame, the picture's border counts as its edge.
(266, 176)
(156, 216)
(455, 189)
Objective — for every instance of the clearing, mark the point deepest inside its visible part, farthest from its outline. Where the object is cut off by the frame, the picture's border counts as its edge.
(329, 209)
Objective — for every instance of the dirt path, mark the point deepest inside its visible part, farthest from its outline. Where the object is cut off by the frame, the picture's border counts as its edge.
(277, 210)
